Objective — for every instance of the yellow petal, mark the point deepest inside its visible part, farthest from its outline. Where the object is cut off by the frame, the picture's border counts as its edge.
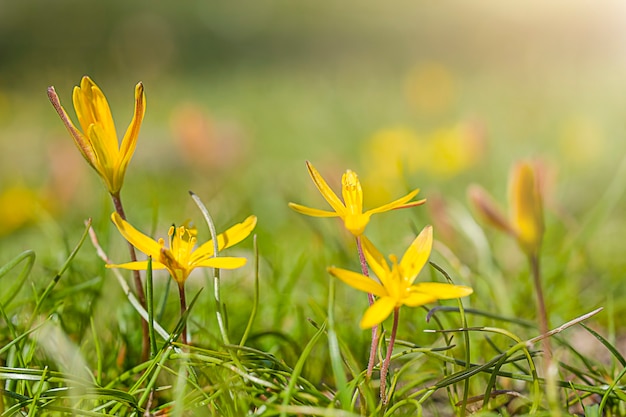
(92, 108)
(378, 312)
(399, 203)
(440, 290)
(376, 261)
(417, 254)
(222, 262)
(129, 142)
(312, 211)
(142, 242)
(358, 281)
(326, 191)
(137, 266)
(352, 193)
(230, 237)
(105, 162)
(416, 299)
(236, 233)
(526, 207)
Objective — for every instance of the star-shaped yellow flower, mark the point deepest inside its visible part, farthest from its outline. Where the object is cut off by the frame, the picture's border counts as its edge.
(395, 287)
(525, 222)
(97, 141)
(181, 258)
(350, 210)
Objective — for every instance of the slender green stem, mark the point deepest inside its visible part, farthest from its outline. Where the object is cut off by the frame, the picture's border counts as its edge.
(385, 366)
(150, 306)
(370, 298)
(145, 345)
(544, 324)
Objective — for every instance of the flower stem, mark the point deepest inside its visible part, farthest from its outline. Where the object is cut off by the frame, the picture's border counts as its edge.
(145, 345)
(385, 366)
(544, 325)
(370, 297)
(183, 309)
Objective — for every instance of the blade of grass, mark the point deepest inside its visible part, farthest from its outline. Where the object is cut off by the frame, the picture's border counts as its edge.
(336, 360)
(297, 369)
(16, 283)
(606, 344)
(57, 277)
(255, 302)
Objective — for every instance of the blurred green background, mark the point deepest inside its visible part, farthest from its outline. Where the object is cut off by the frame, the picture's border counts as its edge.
(409, 94)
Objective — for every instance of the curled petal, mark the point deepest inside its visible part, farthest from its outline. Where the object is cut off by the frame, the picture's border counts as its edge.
(377, 312)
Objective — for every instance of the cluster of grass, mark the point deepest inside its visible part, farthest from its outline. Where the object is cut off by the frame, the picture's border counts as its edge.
(283, 337)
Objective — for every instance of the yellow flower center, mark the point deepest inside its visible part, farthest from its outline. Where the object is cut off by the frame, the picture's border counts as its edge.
(176, 259)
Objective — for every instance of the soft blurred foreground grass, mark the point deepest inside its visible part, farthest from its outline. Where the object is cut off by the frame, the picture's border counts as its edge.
(70, 336)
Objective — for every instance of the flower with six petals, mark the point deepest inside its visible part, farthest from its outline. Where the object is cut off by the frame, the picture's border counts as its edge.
(180, 258)
(350, 210)
(97, 141)
(396, 283)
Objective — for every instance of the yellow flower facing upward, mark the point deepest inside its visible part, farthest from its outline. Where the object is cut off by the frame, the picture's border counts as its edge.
(396, 283)
(525, 222)
(181, 258)
(350, 210)
(97, 139)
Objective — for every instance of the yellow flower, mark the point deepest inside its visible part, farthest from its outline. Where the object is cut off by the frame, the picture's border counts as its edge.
(525, 222)
(396, 286)
(181, 258)
(350, 210)
(98, 141)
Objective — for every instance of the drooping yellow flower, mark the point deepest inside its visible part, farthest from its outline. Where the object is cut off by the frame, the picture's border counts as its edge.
(97, 139)
(350, 210)
(525, 222)
(395, 286)
(181, 258)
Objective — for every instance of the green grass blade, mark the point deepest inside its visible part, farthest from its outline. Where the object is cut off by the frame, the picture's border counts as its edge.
(606, 344)
(297, 369)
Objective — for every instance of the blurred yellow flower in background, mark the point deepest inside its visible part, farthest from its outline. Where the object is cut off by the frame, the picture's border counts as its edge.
(395, 287)
(392, 154)
(525, 221)
(350, 210)
(98, 141)
(180, 258)
(18, 207)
